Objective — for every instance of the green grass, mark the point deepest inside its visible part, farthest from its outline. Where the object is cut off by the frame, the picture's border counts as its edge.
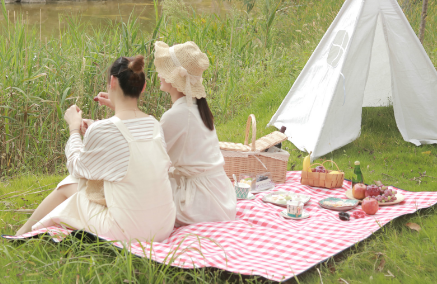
(246, 76)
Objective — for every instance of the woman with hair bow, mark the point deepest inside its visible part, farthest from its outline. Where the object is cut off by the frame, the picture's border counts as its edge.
(125, 159)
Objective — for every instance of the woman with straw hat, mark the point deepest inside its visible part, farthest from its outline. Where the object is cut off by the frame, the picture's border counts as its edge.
(201, 190)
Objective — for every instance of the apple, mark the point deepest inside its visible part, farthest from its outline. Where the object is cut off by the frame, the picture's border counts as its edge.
(359, 190)
(372, 190)
(370, 205)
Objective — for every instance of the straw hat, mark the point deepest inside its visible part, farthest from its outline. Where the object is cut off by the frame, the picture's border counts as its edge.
(182, 66)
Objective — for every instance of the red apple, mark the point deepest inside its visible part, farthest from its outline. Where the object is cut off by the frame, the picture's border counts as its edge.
(370, 206)
(359, 190)
(372, 190)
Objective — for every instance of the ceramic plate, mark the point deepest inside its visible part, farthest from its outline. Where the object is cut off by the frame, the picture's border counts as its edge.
(259, 191)
(399, 198)
(285, 215)
(249, 197)
(278, 197)
(338, 204)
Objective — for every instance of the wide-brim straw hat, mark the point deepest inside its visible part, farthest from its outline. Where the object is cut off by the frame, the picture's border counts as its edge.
(182, 66)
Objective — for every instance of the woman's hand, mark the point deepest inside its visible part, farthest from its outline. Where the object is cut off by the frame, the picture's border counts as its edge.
(73, 116)
(103, 99)
(85, 124)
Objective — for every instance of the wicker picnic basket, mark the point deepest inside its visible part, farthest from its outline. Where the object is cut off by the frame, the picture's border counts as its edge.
(252, 158)
(326, 180)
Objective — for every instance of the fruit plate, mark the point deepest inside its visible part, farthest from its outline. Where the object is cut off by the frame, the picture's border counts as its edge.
(279, 197)
(338, 204)
(399, 198)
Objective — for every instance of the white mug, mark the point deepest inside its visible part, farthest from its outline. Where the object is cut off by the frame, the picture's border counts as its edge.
(295, 208)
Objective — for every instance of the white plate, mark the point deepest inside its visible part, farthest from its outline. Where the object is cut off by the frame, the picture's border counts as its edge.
(259, 191)
(399, 198)
(285, 215)
(304, 198)
(249, 197)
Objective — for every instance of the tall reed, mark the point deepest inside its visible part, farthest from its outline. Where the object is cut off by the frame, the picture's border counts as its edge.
(248, 49)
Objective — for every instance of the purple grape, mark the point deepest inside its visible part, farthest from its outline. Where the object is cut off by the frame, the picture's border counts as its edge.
(393, 198)
(394, 192)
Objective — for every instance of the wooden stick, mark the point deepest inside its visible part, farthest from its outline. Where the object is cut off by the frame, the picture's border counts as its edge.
(1, 196)
(388, 175)
(27, 211)
(26, 193)
(423, 21)
(321, 280)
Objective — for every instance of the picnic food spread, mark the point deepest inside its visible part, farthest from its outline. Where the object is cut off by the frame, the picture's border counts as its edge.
(370, 196)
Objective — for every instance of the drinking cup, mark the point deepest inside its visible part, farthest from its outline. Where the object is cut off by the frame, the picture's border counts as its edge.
(242, 190)
(295, 208)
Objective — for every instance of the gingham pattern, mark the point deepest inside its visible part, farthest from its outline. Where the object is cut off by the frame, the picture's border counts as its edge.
(262, 243)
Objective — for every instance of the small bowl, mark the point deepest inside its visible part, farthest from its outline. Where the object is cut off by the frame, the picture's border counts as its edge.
(242, 190)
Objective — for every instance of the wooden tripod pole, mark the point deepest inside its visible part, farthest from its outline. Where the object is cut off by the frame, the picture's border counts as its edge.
(423, 21)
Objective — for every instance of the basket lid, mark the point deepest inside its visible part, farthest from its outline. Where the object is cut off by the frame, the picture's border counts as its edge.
(269, 140)
(261, 144)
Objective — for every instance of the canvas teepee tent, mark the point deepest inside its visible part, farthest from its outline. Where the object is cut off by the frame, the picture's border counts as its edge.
(370, 56)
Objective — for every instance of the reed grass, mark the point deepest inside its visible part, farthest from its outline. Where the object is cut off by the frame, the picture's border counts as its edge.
(38, 81)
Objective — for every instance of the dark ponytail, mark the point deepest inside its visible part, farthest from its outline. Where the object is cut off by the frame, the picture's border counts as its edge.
(130, 74)
(205, 113)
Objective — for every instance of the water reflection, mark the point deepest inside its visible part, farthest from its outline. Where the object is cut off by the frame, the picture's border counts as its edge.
(52, 15)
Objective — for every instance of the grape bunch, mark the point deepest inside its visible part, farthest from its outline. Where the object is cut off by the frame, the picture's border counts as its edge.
(387, 195)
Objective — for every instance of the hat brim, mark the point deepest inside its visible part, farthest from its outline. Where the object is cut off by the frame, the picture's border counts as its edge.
(168, 70)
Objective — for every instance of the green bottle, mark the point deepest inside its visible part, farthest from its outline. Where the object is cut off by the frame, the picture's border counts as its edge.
(358, 175)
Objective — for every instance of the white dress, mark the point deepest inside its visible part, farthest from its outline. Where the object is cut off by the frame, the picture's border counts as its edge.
(139, 207)
(201, 190)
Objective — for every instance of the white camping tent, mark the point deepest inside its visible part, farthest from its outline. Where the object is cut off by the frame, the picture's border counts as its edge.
(370, 56)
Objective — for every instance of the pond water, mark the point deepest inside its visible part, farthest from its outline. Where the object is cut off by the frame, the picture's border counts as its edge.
(52, 15)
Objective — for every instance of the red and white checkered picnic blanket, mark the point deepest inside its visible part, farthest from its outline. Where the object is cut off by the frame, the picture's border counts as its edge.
(261, 242)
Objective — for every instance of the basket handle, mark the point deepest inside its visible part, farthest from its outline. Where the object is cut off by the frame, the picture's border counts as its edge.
(333, 162)
(252, 119)
(325, 162)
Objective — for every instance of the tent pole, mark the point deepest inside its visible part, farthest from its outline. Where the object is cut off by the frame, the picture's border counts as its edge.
(423, 21)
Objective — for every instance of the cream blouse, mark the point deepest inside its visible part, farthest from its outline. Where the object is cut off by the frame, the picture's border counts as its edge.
(104, 152)
(201, 189)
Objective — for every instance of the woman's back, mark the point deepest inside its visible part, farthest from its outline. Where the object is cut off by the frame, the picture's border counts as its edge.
(201, 190)
(191, 145)
(141, 203)
(105, 151)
